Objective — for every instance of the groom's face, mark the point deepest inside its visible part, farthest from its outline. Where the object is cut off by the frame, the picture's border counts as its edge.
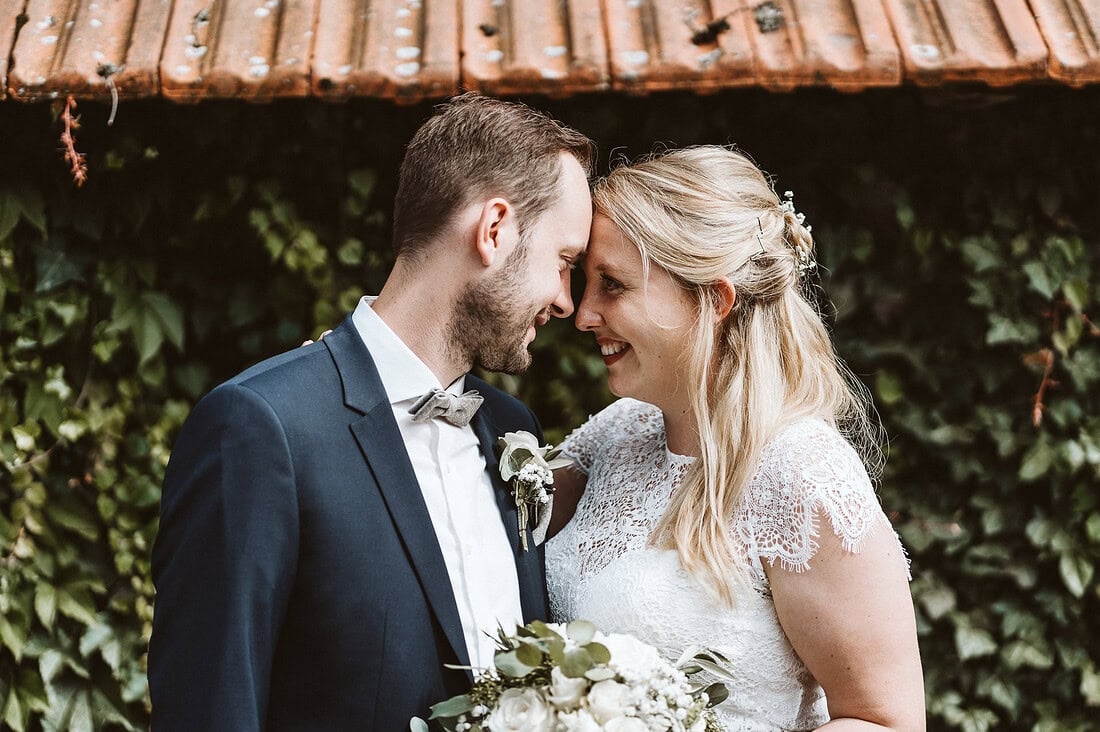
(496, 320)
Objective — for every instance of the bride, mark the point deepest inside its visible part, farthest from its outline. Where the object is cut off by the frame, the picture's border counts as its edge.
(724, 501)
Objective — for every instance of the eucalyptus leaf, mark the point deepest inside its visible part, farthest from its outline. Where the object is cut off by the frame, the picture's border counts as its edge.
(453, 707)
(576, 663)
(508, 663)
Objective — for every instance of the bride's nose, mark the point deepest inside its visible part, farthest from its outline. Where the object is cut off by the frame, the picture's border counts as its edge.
(588, 318)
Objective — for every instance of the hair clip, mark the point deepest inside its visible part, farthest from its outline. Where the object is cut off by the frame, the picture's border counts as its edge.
(755, 258)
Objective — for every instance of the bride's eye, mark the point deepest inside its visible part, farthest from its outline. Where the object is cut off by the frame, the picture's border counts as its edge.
(611, 285)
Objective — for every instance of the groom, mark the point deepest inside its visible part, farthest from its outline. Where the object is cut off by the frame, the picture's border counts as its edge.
(333, 531)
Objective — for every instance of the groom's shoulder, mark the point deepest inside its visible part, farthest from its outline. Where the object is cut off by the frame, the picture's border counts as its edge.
(295, 364)
(284, 380)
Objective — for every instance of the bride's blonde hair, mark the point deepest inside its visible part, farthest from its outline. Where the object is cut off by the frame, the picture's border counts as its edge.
(703, 214)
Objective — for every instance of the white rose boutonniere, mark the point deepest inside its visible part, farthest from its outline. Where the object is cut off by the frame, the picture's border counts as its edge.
(530, 468)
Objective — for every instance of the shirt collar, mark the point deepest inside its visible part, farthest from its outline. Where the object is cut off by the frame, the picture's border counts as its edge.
(404, 376)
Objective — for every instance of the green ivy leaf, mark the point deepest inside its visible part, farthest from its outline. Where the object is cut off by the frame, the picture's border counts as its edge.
(1040, 279)
(9, 213)
(1036, 462)
(1090, 685)
(13, 712)
(973, 642)
(77, 604)
(1076, 291)
(13, 634)
(45, 604)
(168, 314)
(1005, 330)
(1076, 572)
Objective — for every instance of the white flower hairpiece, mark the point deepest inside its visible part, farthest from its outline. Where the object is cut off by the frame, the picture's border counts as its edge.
(803, 251)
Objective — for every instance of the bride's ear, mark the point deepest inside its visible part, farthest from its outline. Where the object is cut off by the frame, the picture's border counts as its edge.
(726, 296)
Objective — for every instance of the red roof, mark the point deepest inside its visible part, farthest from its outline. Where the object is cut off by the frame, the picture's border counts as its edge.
(407, 50)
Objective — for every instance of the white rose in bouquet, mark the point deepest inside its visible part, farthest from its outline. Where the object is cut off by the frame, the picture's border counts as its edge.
(566, 693)
(521, 710)
(630, 654)
(626, 724)
(579, 721)
(608, 700)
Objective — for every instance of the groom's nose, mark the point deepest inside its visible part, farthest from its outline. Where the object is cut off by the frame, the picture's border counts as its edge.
(562, 307)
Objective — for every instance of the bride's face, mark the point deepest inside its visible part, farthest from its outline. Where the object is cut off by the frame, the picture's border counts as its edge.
(642, 325)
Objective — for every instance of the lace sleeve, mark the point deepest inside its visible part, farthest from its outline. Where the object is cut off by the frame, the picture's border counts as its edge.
(585, 443)
(808, 473)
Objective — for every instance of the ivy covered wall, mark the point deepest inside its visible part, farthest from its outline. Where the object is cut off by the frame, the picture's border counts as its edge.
(957, 230)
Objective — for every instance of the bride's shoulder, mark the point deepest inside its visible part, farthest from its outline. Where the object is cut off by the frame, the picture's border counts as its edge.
(623, 419)
(807, 472)
(623, 414)
(811, 444)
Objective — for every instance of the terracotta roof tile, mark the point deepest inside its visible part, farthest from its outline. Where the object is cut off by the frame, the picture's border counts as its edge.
(11, 16)
(994, 41)
(85, 46)
(668, 45)
(555, 47)
(1072, 31)
(409, 50)
(396, 49)
(843, 43)
(254, 49)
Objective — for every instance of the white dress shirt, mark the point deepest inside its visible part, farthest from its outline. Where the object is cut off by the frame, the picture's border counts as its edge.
(457, 489)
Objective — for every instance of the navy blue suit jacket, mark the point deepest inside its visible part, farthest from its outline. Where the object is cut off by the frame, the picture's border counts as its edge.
(299, 582)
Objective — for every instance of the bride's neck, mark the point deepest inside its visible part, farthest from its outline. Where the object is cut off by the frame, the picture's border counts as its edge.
(681, 431)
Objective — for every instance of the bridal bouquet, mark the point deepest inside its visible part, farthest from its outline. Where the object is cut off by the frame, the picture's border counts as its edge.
(571, 678)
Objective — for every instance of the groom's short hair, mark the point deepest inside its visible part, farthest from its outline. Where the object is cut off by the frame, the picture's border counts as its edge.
(478, 147)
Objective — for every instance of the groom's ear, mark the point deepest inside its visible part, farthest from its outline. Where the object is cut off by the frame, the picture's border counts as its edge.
(495, 230)
(726, 297)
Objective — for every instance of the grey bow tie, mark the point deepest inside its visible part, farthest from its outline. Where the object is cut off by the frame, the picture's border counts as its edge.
(458, 410)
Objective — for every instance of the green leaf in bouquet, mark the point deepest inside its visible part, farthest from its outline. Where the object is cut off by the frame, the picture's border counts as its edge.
(716, 694)
(581, 631)
(555, 649)
(453, 707)
(529, 654)
(509, 664)
(542, 630)
(598, 652)
(576, 663)
(416, 724)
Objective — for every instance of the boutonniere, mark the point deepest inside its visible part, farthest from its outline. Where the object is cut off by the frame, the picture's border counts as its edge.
(530, 468)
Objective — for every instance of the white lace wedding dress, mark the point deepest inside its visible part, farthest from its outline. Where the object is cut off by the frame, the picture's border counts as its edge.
(600, 568)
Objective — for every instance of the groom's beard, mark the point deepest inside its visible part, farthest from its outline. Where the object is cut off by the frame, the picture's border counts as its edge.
(490, 320)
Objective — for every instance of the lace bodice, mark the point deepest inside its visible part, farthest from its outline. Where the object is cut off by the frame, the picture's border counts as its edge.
(600, 568)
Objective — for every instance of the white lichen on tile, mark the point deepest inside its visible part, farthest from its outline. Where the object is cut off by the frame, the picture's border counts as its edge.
(407, 69)
(635, 57)
(407, 52)
(554, 51)
(923, 50)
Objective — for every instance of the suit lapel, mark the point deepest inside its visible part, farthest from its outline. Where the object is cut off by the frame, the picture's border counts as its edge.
(532, 585)
(384, 450)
